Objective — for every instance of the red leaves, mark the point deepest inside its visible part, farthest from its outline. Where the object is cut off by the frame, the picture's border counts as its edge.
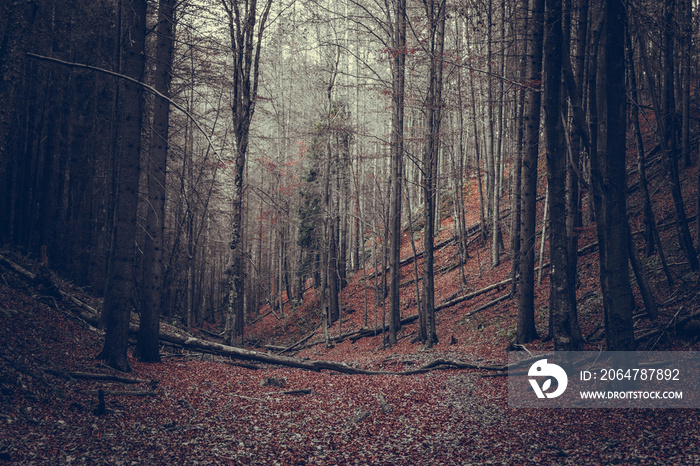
(211, 412)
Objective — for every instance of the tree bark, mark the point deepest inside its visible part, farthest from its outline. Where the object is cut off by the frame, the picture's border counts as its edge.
(667, 143)
(246, 42)
(119, 289)
(613, 234)
(526, 331)
(669, 134)
(573, 183)
(559, 303)
(516, 207)
(399, 63)
(16, 23)
(435, 10)
(147, 339)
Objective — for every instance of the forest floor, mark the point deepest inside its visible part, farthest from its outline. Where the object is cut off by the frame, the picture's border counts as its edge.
(204, 409)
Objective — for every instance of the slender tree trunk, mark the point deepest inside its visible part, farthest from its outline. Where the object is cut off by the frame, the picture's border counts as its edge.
(399, 63)
(685, 57)
(477, 152)
(149, 326)
(641, 162)
(559, 303)
(435, 10)
(16, 23)
(526, 331)
(666, 141)
(246, 42)
(413, 249)
(612, 232)
(573, 208)
(333, 288)
(669, 135)
(119, 290)
(491, 177)
(516, 207)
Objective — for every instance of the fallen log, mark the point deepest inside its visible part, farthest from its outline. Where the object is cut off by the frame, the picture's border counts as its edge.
(472, 295)
(120, 392)
(204, 346)
(16, 268)
(91, 376)
(675, 321)
(303, 340)
(487, 305)
(196, 344)
(299, 391)
(450, 364)
(220, 349)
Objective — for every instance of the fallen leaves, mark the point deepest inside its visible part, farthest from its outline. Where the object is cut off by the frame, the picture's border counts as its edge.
(208, 412)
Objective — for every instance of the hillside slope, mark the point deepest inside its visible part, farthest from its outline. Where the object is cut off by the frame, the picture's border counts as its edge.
(484, 325)
(194, 409)
(202, 409)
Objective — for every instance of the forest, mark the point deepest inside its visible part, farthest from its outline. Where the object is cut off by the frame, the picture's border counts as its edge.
(311, 232)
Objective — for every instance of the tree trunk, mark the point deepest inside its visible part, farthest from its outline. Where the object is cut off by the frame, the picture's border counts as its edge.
(648, 212)
(685, 57)
(399, 62)
(147, 339)
(559, 303)
(435, 10)
(573, 184)
(118, 290)
(516, 206)
(669, 135)
(526, 331)
(246, 42)
(16, 22)
(611, 166)
(666, 141)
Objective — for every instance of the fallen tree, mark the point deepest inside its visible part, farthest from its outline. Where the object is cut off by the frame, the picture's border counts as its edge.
(196, 344)
(188, 342)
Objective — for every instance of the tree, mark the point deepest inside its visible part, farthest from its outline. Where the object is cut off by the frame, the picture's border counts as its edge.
(526, 331)
(398, 84)
(610, 173)
(436, 13)
(16, 22)
(118, 293)
(149, 324)
(576, 144)
(246, 42)
(559, 303)
(668, 103)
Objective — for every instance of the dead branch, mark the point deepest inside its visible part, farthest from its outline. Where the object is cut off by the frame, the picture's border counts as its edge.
(120, 392)
(91, 376)
(488, 305)
(660, 330)
(303, 340)
(16, 268)
(472, 295)
(299, 391)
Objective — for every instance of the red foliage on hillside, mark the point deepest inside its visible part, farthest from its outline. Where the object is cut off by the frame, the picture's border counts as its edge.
(194, 409)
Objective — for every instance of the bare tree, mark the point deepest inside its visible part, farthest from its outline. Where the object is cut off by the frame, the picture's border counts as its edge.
(526, 331)
(246, 26)
(397, 122)
(436, 13)
(149, 324)
(119, 290)
(556, 175)
(611, 173)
